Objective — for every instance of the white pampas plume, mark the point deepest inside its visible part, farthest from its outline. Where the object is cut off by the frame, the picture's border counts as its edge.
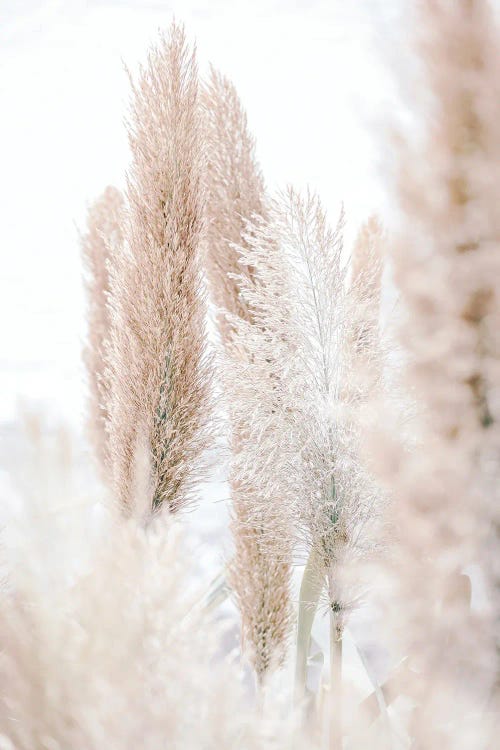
(295, 453)
(159, 372)
(103, 639)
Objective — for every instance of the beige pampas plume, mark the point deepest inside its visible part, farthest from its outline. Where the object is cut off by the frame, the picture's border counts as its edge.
(365, 284)
(260, 581)
(104, 238)
(159, 372)
(446, 267)
(363, 357)
(235, 192)
(366, 257)
(259, 572)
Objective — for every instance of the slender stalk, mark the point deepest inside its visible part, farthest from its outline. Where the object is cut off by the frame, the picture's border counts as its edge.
(336, 633)
(310, 591)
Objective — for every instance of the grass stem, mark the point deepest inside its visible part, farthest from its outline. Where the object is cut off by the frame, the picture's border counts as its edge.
(310, 590)
(336, 633)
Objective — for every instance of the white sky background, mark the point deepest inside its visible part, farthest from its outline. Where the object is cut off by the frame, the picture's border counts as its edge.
(309, 74)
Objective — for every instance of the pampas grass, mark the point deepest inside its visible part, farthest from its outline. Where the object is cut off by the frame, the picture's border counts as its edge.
(386, 487)
(103, 239)
(364, 344)
(158, 367)
(235, 195)
(445, 269)
(101, 641)
(284, 381)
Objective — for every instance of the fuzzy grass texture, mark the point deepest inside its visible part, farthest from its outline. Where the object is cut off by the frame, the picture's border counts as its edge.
(102, 241)
(322, 468)
(103, 639)
(260, 571)
(158, 368)
(445, 265)
(306, 487)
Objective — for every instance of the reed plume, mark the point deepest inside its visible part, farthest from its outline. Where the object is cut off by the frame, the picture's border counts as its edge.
(235, 193)
(260, 570)
(445, 264)
(159, 371)
(363, 352)
(259, 573)
(103, 239)
(363, 340)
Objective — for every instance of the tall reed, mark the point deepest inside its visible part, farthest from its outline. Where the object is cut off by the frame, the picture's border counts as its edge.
(235, 193)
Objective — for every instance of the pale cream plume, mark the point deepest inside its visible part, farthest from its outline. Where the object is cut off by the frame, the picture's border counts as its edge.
(259, 572)
(104, 238)
(363, 353)
(235, 193)
(363, 350)
(365, 285)
(104, 641)
(159, 373)
(446, 265)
